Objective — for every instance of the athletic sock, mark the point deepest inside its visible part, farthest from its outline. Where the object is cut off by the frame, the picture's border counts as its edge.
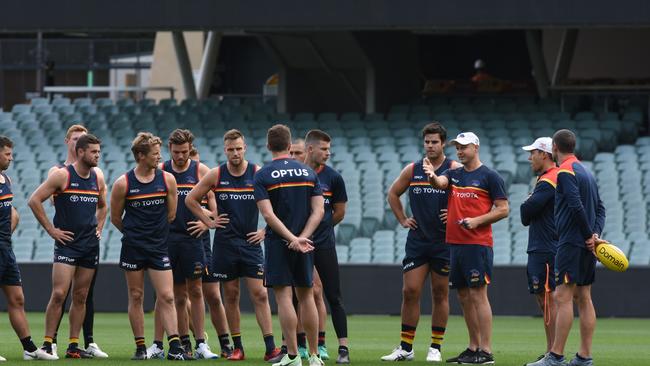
(158, 344)
(582, 358)
(321, 338)
(302, 339)
(236, 341)
(283, 349)
(28, 344)
(343, 349)
(556, 356)
(73, 344)
(437, 335)
(88, 339)
(269, 342)
(185, 341)
(47, 344)
(199, 341)
(407, 335)
(139, 344)
(174, 344)
(292, 357)
(54, 338)
(224, 340)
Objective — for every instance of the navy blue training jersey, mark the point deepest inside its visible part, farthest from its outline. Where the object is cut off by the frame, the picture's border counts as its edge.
(289, 185)
(185, 181)
(579, 212)
(538, 213)
(426, 203)
(76, 208)
(6, 197)
(333, 187)
(235, 197)
(145, 212)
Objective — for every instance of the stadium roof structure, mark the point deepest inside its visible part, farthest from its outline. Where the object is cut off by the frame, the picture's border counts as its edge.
(318, 15)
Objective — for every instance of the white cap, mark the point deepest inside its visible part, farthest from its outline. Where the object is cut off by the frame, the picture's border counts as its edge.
(544, 144)
(479, 64)
(466, 138)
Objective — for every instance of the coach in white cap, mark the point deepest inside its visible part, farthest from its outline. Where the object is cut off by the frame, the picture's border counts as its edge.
(537, 212)
(477, 199)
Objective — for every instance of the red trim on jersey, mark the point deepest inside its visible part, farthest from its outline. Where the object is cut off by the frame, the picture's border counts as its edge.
(164, 180)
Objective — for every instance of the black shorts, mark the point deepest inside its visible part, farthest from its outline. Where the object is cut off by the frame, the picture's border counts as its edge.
(9, 271)
(139, 258)
(471, 265)
(87, 259)
(285, 267)
(207, 274)
(187, 258)
(418, 253)
(540, 268)
(574, 265)
(237, 258)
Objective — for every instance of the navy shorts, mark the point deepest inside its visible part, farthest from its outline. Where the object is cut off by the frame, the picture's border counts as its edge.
(471, 265)
(235, 258)
(286, 267)
(574, 265)
(540, 268)
(9, 272)
(139, 258)
(86, 259)
(187, 258)
(419, 253)
(207, 274)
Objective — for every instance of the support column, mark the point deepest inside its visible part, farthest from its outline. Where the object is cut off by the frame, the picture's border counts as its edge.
(564, 56)
(536, 54)
(184, 65)
(208, 63)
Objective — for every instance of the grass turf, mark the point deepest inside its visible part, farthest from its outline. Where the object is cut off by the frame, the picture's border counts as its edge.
(516, 339)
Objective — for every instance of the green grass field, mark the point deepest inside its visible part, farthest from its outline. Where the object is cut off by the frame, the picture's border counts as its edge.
(516, 339)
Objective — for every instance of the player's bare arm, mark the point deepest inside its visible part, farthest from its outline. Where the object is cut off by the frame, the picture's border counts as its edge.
(294, 243)
(15, 219)
(102, 206)
(396, 190)
(194, 197)
(316, 216)
(338, 212)
(437, 182)
(118, 197)
(172, 196)
(56, 182)
(499, 211)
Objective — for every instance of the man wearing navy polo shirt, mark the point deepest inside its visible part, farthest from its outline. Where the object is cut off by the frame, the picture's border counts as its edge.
(290, 199)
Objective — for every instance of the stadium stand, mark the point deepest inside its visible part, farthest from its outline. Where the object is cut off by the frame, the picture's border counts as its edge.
(369, 150)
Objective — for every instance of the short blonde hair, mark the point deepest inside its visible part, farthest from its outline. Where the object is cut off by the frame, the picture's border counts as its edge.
(75, 128)
(143, 143)
(233, 134)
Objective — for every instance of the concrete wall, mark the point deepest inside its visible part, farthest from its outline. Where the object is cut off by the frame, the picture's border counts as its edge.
(373, 289)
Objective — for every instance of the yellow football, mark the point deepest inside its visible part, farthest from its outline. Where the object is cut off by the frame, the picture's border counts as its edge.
(612, 257)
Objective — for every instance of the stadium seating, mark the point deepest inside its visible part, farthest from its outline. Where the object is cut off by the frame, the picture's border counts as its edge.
(369, 151)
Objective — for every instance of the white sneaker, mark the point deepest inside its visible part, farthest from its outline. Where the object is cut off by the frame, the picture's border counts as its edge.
(315, 360)
(2, 359)
(94, 350)
(54, 351)
(29, 356)
(286, 361)
(155, 352)
(203, 352)
(434, 355)
(399, 354)
(41, 354)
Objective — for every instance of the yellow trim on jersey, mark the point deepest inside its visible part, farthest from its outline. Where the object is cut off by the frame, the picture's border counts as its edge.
(81, 191)
(148, 195)
(290, 185)
(185, 185)
(6, 196)
(473, 188)
(234, 190)
(549, 182)
(566, 171)
(419, 184)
